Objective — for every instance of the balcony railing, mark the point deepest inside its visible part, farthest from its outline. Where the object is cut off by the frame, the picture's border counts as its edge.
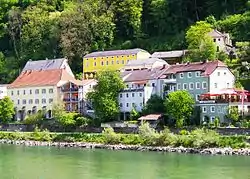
(70, 90)
(70, 99)
(223, 101)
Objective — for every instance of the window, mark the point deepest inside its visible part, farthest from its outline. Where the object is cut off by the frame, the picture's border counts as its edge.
(189, 74)
(140, 94)
(122, 61)
(120, 104)
(50, 100)
(107, 62)
(17, 92)
(198, 85)
(43, 101)
(141, 104)
(24, 92)
(37, 91)
(50, 90)
(191, 86)
(214, 40)
(218, 73)
(133, 94)
(37, 101)
(24, 101)
(198, 74)
(112, 62)
(204, 109)
(178, 86)
(94, 63)
(120, 95)
(218, 48)
(197, 97)
(18, 101)
(225, 73)
(218, 39)
(204, 85)
(43, 91)
(219, 109)
(30, 91)
(102, 63)
(212, 118)
(215, 85)
(133, 104)
(12, 93)
(127, 104)
(212, 109)
(153, 84)
(30, 101)
(127, 95)
(227, 85)
(181, 75)
(184, 86)
(117, 61)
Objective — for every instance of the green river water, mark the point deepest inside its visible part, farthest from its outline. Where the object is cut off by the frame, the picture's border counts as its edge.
(19, 162)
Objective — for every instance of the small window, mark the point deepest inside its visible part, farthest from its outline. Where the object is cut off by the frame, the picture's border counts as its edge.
(122, 61)
(218, 73)
(17, 92)
(212, 108)
(107, 62)
(141, 104)
(37, 101)
(30, 91)
(120, 104)
(218, 39)
(140, 94)
(12, 93)
(127, 104)
(218, 48)
(189, 74)
(94, 63)
(24, 92)
(102, 63)
(181, 75)
(178, 86)
(127, 95)
(197, 97)
(204, 85)
(214, 40)
(225, 73)
(191, 86)
(219, 109)
(228, 85)
(31, 101)
(43, 91)
(133, 94)
(37, 91)
(120, 95)
(24, 101)
(198, 74)
(184, 86)
(50, 100)
(215, 85)
(204, 109)
(18, 101)
(133, 104)
(51, 90)
(117, 61)
(198, 85)
(43, 101)
(153, 84)
(112, 62)
(212, 118)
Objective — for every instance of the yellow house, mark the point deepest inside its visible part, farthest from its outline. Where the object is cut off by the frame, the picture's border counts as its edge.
(114, 60)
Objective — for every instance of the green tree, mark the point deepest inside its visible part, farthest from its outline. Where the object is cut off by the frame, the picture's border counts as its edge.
(104, 98)
(200, 44)
(6, 110)
(180, 106)
(134, 114)
(155, 105)
(233, 114)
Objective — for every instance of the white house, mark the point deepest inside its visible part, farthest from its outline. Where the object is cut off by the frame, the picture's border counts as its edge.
(3, 90)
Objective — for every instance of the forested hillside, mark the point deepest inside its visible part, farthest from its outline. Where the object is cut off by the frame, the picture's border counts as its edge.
(36, 29)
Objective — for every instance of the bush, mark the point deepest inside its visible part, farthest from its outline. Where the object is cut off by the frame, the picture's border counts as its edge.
(39, 135)
(203, 138)
(148, 134)
(184, 132)
(166, 138)
(110, 137)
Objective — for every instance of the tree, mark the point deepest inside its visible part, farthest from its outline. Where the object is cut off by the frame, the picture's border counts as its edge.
(200, 44)
(180, 106)
(134, 114)
(6, 110)
(233, 114)
(104, 98)
(155, 105)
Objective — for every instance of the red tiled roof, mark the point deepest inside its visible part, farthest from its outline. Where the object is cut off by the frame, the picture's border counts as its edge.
(41, 78)
(206, 68)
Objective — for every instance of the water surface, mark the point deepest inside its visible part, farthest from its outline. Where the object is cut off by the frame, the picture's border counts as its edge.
(19, 162)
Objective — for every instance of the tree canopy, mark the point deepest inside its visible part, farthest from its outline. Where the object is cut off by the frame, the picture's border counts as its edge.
(6, 110)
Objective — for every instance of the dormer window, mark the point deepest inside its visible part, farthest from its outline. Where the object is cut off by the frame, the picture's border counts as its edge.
(198, 74)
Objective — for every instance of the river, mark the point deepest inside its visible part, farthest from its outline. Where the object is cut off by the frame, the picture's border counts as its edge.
(19, 162)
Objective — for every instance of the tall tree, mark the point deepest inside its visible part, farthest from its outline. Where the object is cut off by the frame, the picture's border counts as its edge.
(6, 110)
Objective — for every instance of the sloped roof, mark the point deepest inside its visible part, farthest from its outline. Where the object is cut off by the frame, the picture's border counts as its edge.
(150, 117)
(44, 64)
(206, 67)
(41, 78)
(169, 54)
(148, 61)
(215, 33)
(114, 53)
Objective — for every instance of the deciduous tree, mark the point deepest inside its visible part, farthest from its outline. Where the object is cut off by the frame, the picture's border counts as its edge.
(6, 110)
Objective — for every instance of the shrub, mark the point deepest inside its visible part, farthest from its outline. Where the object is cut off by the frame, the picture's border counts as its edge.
(184, 132)
(217, 122)
(110, 137)
(39, 135)
(148, 134)
(166, 138)
(203, 138)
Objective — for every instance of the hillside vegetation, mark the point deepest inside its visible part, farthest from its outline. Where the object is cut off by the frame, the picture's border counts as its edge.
(32, 29)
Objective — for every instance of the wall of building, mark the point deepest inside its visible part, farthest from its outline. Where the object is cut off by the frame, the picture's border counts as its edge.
(3, 91)
(221, 78)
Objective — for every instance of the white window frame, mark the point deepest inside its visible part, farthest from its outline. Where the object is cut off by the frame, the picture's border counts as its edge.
(184, 85)
(189, 75)
(196, 85)
(204, 111)
(197, 74)
(190, 86)
(219, 109)
(204, 82)
(178, 86)
(197, 97)
(212, 118)
(181, 75)
(212, 107)
(216, 85)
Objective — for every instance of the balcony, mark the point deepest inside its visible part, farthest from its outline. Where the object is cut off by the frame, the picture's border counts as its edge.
(70, 90)
(72, 100)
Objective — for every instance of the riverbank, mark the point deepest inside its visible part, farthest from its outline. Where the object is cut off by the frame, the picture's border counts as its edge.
(84, 145)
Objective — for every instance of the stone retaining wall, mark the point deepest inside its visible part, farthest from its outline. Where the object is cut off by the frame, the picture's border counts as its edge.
(208, 151)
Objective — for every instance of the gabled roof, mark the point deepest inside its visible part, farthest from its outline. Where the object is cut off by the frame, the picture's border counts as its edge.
(169, 54)
(114, 53)
(206, 68)
(44, 64)
(215, 34)
(141, 62)
(41, 78)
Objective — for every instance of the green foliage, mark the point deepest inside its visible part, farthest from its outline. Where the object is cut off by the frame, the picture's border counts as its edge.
(110, 136)
(203, 138)
(39, 135)
(155, 105)
(6, 110)
(134, 115)
(217, 122)
(233, 114)
(179, 105)
(34, 118)
(104, 97)
(148, 134)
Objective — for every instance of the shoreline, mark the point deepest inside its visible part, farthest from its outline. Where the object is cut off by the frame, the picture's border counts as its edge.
(84, 145)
